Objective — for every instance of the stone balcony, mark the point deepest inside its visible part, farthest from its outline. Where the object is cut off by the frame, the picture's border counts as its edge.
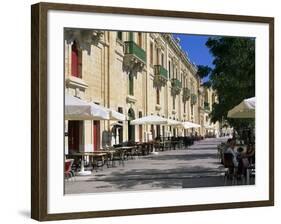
(160, 76)
(186, 94)
(176, 86)
(134, 59)
(193, 99)
(85, 38)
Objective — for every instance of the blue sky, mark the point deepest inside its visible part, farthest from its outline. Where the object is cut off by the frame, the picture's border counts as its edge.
(196, 49)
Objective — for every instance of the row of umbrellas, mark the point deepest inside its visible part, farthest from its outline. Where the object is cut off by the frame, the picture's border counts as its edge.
(157, 120)
(77, 109)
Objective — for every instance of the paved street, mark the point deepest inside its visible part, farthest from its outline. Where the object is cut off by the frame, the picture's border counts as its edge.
(196, 166)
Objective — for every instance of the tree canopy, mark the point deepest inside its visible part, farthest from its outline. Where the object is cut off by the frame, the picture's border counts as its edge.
(233, 75)
(203, 71)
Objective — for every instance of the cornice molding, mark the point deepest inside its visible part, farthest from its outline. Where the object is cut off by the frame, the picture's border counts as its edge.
(180, 53)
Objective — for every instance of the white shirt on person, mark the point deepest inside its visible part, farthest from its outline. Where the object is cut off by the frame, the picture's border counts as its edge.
(229, 150)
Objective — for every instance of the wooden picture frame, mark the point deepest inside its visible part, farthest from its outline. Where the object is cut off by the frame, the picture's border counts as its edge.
(39, 108)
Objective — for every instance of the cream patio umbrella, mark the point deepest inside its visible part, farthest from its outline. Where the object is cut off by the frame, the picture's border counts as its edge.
(77, 109)
(113, 115)
(207, 126)
(150, 119)
(246, 109)
(188, 124)
(174, 123)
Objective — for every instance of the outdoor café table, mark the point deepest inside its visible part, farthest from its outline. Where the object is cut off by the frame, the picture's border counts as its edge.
(82, 171)
(95, 156)
(144, 148)
(174, 144)
(166, 144)
(109, 153)
(158, 146)
(127, 149)
(147, 147)
(152, 145)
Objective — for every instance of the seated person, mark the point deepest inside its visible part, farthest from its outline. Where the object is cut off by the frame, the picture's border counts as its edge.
(239, 152)
(226, 145)
(250, 153)
(242, 162)
(245, 159)
(230, 150)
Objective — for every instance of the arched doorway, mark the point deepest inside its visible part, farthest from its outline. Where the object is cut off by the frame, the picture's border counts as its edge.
(117, 133)
(131, 128)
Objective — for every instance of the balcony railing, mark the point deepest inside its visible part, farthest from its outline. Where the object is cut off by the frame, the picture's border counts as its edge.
(176, 83)
(193, 99)
(133, 49)
(161, 71)
(134, 59)
(160, 75)
(186, 94)
(176, 86)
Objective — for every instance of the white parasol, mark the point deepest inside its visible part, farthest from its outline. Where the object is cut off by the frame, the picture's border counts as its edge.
(246, 109)
(77, 109)
(188, 124)
(150, 119)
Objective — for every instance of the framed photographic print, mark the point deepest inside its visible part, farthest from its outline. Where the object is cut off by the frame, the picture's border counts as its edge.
(139, 111)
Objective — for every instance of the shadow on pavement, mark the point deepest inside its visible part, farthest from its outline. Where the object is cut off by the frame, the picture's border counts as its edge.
(188, 157)
(169, 178)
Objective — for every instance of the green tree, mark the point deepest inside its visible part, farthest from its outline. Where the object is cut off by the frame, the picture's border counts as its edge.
(203, 71)
(233, 75)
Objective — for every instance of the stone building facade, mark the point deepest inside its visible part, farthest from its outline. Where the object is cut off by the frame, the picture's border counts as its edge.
(134, 73)
(207, 98)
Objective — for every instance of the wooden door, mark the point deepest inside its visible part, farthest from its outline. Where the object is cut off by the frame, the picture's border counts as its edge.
(73, 136)
(96, 137)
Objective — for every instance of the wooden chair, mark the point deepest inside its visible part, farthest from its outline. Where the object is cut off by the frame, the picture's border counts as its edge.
(68, 172)
(137, 152)
(118, 155)
(98, 162)
(231, 172)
